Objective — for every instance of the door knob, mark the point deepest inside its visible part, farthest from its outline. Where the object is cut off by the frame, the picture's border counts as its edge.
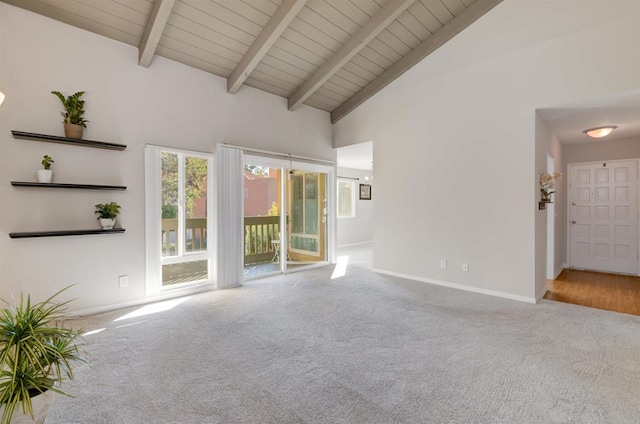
(573, 222)
(573, 203)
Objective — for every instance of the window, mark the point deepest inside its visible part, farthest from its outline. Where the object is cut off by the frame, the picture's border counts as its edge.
(179, 210)
(346, 199)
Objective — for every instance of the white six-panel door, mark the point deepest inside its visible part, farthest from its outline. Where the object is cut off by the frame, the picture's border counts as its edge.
(603, 216)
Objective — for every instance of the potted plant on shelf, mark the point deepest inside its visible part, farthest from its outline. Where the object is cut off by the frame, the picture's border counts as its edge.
(73, 114)
(107, 213)
(36, 352)
(45, 175)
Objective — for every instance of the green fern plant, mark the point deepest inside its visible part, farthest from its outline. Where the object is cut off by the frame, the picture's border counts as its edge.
(73, 108)
(35, 352)
(107, 210)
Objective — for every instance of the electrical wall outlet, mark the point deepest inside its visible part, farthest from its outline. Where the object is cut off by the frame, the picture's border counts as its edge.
(123, 281)
(465, 266)
(443, 263)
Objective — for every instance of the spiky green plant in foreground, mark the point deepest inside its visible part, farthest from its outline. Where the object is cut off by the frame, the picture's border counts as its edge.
(36, 351)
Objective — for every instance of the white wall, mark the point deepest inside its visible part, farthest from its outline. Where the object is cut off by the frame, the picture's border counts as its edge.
(541, 216)
(167, 104)
(547, 144)
(554, 149)
(456, 159)
(359, 229)
(602, 150)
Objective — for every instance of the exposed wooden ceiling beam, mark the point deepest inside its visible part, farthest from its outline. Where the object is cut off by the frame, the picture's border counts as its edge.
(280, 20)
(349, 49)
(153, 31)
(431, 44)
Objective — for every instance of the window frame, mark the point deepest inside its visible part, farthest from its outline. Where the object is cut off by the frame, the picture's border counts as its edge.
(352, 183)
(153, 224)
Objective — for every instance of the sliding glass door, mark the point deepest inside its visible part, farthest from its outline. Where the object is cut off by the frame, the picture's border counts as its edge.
(286, 221)
(287, 217)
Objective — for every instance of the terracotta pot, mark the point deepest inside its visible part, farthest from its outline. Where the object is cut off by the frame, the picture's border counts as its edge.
(73, 131)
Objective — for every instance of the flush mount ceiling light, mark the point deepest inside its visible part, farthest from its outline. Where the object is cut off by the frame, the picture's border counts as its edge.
(600, 132)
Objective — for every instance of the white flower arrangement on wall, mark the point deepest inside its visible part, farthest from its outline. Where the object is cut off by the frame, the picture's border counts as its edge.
(548, 184)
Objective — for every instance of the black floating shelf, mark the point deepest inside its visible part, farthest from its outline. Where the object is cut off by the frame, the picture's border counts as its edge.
(61, 185)
(64, 233)
(65, 140)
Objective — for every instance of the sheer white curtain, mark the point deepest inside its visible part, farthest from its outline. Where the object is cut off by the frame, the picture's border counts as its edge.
(230, 217)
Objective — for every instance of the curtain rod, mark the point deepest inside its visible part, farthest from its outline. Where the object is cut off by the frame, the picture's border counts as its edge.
(284, 155)
(349, 178)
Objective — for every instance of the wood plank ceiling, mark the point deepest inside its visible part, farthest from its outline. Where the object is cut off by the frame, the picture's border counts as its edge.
(329, 54)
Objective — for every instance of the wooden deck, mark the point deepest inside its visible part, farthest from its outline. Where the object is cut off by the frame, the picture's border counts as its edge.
(611, 292)
(184, 273)
(197, 271)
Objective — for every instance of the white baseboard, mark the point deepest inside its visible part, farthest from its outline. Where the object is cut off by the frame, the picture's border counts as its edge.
(459, 286)
(354, 244)
(139, 302)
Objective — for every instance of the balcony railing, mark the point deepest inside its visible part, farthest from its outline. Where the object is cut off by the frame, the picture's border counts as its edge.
(259, 232)
(196, 235)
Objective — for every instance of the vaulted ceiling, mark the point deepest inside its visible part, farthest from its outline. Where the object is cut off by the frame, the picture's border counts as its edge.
(328, 54)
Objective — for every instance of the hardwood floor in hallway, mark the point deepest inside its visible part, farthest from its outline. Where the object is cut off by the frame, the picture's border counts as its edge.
(611, 292)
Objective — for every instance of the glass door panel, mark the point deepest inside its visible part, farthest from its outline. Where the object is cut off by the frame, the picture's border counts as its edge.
(169, 204)
(308, 218)
(195, 212)
(262, 216)
(185, 185)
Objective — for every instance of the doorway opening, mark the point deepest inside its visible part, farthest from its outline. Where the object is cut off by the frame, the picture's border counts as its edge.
(595, 229)
(354, 212)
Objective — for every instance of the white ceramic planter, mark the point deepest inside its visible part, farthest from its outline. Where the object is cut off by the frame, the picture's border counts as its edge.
(44, 175)
(107, 224)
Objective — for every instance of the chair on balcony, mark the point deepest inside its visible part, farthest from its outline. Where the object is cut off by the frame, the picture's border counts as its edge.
(276, 251)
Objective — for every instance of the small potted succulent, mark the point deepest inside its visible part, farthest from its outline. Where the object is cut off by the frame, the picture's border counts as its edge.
(73, 114)
(107, 213)
(36, 353)
(45, 175)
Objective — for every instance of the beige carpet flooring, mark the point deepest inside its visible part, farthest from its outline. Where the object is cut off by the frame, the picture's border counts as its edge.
(361, 348)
